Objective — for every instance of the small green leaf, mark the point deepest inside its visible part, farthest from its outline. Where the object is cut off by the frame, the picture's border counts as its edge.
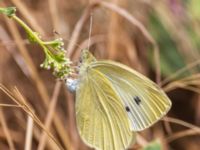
(9, 11)
(155, 145)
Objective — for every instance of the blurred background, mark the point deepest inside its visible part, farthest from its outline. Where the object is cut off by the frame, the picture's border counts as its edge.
(160, 39)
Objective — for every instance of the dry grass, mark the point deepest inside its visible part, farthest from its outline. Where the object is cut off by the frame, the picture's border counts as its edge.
(44, 118)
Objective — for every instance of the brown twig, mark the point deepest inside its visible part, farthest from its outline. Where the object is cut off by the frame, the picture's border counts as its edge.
(78, 27)
(54, 13)
(29, 132)
(21, 101)
(140, 26)
(93, 40)
(180, 71)
(4, 36)
(183, 123)
(181, 134)
(50, 114)
(6, 131)
(141, 140)
(38, 82)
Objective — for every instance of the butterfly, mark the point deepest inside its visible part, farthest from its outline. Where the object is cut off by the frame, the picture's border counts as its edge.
(114, 101)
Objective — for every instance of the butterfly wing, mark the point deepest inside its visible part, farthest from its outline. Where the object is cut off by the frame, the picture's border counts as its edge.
(100, 116)
(144, 101)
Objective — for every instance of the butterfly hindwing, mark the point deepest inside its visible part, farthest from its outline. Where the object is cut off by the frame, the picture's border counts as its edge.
(144, 101)
(101, 118)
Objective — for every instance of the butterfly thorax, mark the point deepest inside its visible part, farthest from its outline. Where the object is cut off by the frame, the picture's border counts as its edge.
(86, 59)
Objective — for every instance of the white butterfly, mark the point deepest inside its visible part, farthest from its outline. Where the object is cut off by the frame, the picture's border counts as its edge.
(113, 101)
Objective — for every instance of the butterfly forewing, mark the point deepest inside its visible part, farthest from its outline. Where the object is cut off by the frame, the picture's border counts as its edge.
(101, 118)
(144, 102)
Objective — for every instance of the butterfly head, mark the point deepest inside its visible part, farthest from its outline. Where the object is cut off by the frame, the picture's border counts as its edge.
(87, 57)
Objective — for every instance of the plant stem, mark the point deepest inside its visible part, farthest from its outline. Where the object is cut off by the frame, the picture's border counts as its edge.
(18, 20)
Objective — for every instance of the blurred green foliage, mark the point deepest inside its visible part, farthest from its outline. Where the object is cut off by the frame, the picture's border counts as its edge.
(194, 8)
(175, 28)
(170, 59)
(155, 145)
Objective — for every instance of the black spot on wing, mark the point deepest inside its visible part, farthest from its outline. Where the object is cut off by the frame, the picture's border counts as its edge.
(127, 109)
(137, 100)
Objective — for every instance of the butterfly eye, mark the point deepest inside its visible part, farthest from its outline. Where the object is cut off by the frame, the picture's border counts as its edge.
(137, 100)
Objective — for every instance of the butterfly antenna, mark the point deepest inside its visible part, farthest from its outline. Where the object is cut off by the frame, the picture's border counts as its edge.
(90, 30)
